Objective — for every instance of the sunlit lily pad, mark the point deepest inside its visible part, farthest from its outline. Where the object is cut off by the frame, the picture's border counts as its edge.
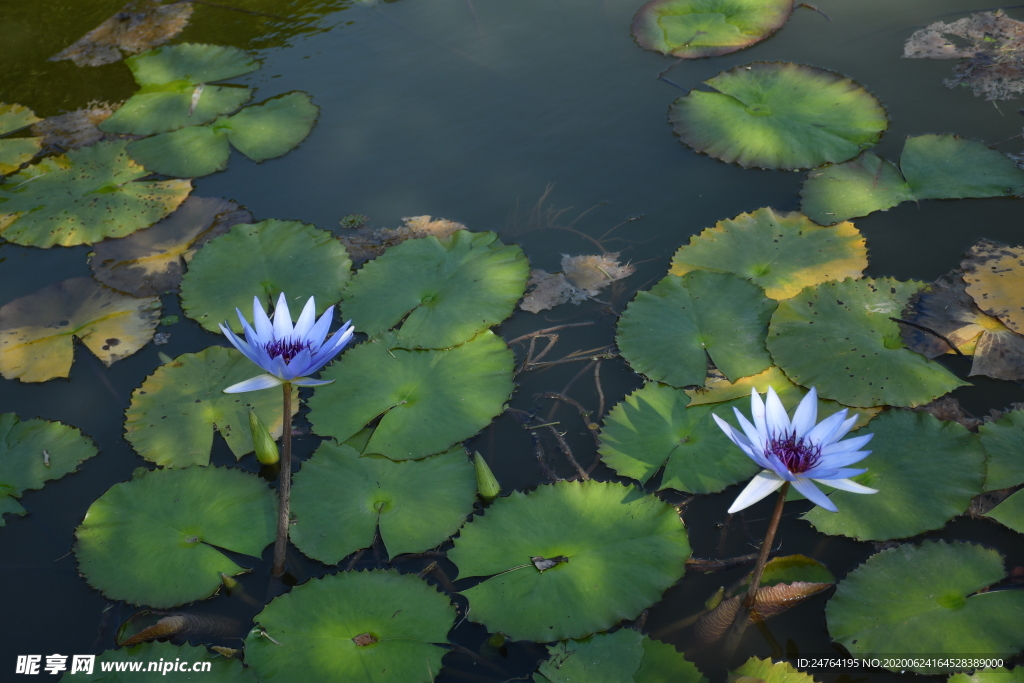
(263, 259)
(652, 428)
(37, 331)
(667, 333)
(426, 400)
(169, 77)
(16, 151)
(34, 452)
(222, 670)
(924, 600)
(174, 413)
(84, 196)
(839, 338)
(442, 291)
(1010, 512)
(1003, 441)
(260, 132)
(151, 261)
(782, 252)
(779, 115)
(624, 656)
(603, 529)
(340, 498)
(707, 28)
(767, 671)
(995, 280)
(931, 167)
(157, 540)
(357, 627)
(925, 470)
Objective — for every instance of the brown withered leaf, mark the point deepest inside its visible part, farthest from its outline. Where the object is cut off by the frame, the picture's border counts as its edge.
(949, 409)
(138, 26)
(78, 128)
(582, 277)
(946, 308)
(994, 273)
(993, 56)
(545, 563)
(771, 601)
(365, 243)
(151, 261)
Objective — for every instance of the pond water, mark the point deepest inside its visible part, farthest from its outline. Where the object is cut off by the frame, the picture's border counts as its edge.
(538, 119)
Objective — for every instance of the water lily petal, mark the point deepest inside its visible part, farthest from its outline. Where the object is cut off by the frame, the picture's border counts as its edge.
(759, 487)
(758, 441)
(236, 342)
(823, 431)
(844, 459)
(282, 319)
(775, 415)
(814, 494)
(310, 382)
(842, 431)
(742, 441)
(821, 473)
(853, 444)
(306, 320)
(255, 384)
(779, 467)
(806, 413)
(757, 413)
(318, 332)
(264, 328)
(851, 486)
(299, 365)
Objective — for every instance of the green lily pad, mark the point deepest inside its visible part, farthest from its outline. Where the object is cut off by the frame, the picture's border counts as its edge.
(997, 675)
(442, 291)
(426, 400)
(779, 115)
(260, 132)
(652, 428)
(16, 151)
(781, 252)
(340, 499)
(931, 167)
(1003, 441)
(212, 667)
(662, 663)
(707, 28)
(926, 472)
(34, 452)
(625, 655)
(169, 77)
(839, 338)
(174, 413)
(768, 671)
(357, 627)
(156, 540)
(1010, 512)
(84, 196)
(667, 333)
(924, 599)
(263, 259)
(37, 331)
(597, 527)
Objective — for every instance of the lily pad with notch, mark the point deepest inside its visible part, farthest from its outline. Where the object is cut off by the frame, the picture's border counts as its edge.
(1010, 512)
(690, 29)
(442, 291)
(781, 252)
(16, 151)
(668, 333)
(84, 196)
(33, 452)
(37, 331)
(173, 415)
(262, 260)
(156, 540)
(360, 627)
(426, 400)
(995, 280)
(779, 115)
(601, 528)
(928, 598)
(341, 499)
(840, 338)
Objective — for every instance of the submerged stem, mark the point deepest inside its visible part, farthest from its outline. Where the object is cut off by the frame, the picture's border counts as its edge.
(284, 485)
(766, 548)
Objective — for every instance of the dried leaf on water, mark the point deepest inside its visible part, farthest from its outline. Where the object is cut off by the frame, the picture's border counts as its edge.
(138, 26)
(992, 60)
(77, 128)
(365, 243)
(994, 273)
(582, 277)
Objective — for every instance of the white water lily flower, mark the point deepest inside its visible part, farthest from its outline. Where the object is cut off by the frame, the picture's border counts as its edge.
(287, 353)
(797, 451)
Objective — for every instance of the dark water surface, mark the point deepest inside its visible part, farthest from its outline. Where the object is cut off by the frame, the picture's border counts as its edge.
(471, 110)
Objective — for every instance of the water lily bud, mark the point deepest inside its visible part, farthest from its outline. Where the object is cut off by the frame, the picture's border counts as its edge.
(266, 447)
(486, 485)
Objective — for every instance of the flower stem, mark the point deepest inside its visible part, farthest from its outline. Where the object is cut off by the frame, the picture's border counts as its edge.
(766, 548)
(284, 485)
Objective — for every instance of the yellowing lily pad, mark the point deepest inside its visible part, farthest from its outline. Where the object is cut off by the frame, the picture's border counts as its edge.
(84, 196)
(707, 28)
(781, 252)
(767, 671)
(16, 151)
(779, 115)
(995, 280)
(36, 330)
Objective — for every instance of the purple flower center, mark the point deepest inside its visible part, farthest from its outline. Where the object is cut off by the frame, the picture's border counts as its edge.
(286, 348)
(795, 453)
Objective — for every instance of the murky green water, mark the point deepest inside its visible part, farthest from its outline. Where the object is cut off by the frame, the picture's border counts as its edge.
(471, 110)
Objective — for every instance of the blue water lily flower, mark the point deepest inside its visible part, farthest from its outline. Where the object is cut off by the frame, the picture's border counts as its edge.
(797, 451)
(287, 353)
